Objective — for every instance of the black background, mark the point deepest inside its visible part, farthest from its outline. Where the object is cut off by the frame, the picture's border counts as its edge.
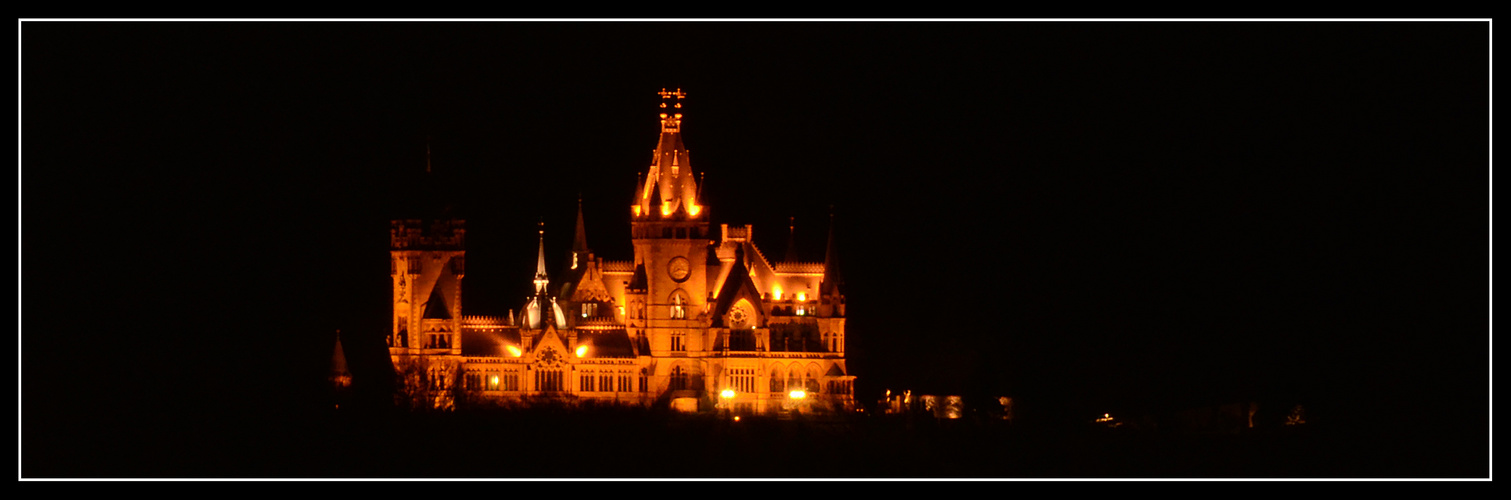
(1088, 216)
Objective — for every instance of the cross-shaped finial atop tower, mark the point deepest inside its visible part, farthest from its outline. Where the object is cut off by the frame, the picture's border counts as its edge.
(668, 95)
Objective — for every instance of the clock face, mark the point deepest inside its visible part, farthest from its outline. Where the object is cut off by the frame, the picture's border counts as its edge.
(678, 268)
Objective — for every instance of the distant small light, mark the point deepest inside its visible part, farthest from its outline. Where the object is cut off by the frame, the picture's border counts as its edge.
(737, 418)
(582, 350)
(797, 394)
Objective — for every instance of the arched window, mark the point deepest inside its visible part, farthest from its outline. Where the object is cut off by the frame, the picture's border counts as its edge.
(679, 304)
(778, 381)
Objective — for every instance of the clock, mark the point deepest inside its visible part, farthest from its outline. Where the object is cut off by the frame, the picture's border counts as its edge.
(678, 268)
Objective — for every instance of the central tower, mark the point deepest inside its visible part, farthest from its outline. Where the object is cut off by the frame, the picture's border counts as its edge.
(668, 299)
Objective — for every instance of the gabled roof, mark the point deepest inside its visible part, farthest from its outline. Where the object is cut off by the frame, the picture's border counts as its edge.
(737, 286)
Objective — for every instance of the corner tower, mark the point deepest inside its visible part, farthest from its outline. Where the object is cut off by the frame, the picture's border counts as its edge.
(669, 228)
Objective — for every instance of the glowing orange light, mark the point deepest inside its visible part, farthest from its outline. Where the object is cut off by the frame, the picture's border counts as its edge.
(776, 293)
(494, 382)
(727, 393)
(582, 350)
(514, 351)
(694, 209)
(802, 296)
(737, 418)
(797, 394)
(666, 209)
(637, 210)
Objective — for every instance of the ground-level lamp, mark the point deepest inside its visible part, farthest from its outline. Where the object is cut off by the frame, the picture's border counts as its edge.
(728, 395)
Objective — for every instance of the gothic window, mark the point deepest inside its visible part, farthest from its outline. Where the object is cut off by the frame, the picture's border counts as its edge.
(585, 383)
(606, 382)
(644, 387)
(493, 381)
(778, 384)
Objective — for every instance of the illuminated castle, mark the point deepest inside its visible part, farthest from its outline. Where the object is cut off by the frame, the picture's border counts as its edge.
(699, 319)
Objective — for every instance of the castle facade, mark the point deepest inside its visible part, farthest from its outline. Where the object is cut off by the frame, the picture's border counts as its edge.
(700, 319)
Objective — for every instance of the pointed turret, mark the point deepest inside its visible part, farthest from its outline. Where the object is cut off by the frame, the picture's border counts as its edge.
(580, 239)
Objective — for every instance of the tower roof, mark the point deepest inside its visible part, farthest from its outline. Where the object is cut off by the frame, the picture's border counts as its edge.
(669, 186)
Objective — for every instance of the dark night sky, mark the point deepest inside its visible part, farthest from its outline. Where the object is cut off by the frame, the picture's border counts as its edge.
(1093, 214)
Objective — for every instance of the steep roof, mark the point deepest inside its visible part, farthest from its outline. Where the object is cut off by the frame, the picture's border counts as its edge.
(435, 307)
(832, 281)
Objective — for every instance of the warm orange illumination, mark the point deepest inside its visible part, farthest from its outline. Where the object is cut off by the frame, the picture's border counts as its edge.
(801, 297)
(637, 210)
(727, 393)
(666, 209)
(776, 293)
(514, 351)
(582, 350)
(693, 210)
(494, 382)
(737, 418)
(797, 394)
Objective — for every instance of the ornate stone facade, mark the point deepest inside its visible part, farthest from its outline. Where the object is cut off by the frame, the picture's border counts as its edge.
(699, 320)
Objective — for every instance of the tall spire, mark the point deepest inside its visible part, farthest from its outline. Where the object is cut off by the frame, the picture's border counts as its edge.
(580, 239)
(540, 264)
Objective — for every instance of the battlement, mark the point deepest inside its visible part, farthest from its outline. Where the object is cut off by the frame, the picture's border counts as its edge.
(618, 266)
(479, 321)
(799, 268)
(436, 234)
